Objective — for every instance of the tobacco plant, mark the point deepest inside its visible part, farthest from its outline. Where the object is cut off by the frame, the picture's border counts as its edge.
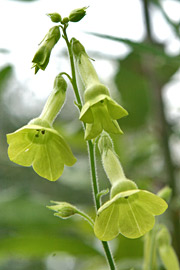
(130, 211)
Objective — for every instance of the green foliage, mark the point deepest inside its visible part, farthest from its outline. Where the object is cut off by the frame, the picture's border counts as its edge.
(4, 75)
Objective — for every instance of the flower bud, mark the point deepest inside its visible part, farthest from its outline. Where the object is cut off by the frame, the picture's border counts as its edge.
(41, 58)
(64, 210)
(77, 14)
(55, 17)
(65, 20)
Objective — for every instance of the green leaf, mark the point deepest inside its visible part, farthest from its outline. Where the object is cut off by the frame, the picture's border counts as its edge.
(145, 47)
(130, 213)
(41, 147)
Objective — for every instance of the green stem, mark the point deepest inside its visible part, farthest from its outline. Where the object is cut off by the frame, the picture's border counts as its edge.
(108, 254)
(93, 174)
(74, 82)
(86, 217)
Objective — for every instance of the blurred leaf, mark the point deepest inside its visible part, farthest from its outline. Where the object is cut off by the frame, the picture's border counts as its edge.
(5, 73)
(134, 80)
(143, 47)
(28, 229)
(3, 50)
(134, 90)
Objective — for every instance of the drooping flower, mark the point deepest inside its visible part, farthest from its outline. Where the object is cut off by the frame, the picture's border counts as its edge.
(130, 211)
(100, 111)
(38, 144)
(41, 58)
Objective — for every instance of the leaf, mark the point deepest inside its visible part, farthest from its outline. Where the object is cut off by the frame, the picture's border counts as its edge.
(4, 76)
(134, 89)
(41, 147)
(130, 213)
(142, 47)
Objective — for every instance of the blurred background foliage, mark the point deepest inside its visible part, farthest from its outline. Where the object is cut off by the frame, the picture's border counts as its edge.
(30, 237)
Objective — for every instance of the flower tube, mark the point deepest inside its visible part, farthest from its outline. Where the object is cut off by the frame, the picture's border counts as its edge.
(100, 111)
(38, 144)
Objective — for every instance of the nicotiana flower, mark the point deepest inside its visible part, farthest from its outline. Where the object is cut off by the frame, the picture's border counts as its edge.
(41, 58)
(39, 144)
(130, 211)
(100, 111)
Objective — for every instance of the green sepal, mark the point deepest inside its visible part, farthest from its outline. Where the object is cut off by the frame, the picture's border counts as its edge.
(130, 213)
(102, 193)
(169, 258)
(41, 147)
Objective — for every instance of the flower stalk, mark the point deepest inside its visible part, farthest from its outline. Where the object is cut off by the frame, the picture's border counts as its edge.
(107, 251)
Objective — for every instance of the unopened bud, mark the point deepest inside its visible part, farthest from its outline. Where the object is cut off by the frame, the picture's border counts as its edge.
(55, 17)
(41, 58)
(64, 210)
(65, 20)
(77, 14)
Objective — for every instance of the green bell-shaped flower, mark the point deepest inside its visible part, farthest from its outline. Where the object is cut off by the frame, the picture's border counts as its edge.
(130, 213)
(41, 58)
(41, 147)
(100, 111)
(38, 144)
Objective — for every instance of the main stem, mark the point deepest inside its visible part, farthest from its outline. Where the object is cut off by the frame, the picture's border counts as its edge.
(90, 149)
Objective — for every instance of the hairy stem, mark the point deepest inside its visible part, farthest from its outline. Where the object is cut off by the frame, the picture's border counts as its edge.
(108, 254)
